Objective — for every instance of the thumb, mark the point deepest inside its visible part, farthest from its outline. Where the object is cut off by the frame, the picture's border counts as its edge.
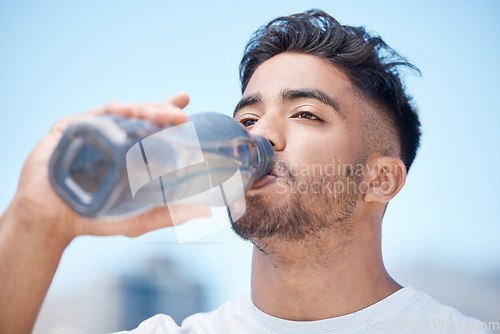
(179, 100)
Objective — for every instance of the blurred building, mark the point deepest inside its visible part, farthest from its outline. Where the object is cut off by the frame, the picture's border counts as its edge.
(121, 303)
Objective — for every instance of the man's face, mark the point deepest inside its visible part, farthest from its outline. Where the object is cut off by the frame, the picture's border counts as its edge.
(306, 107)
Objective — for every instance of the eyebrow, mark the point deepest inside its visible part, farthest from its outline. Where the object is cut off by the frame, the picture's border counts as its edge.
(247, 102)
(292, 94)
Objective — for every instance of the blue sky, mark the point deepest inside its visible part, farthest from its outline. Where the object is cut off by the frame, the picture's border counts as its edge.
(60, 58)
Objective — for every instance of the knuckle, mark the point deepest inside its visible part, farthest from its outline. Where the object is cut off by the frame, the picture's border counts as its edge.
(113, 105)
(60, 125)
(138, 111)
(167, 105)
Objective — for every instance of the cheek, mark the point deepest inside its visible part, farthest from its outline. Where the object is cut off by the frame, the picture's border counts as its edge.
(321, 147)
(308, 157)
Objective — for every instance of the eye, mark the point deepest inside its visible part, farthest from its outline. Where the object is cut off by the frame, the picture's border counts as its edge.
(248, 121)
(307, 115)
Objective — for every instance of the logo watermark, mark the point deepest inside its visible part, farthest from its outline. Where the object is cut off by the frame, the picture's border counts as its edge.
(435, 324)
(333, 178)
(169, 168)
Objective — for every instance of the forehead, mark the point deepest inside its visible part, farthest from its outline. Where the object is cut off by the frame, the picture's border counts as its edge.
(295, 71)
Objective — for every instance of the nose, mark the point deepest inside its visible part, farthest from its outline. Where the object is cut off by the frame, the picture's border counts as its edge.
(272, 128)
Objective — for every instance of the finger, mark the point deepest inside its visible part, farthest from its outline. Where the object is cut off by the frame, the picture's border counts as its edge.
(180, 100)
(168, 114)
(160, 113)
(60, 126)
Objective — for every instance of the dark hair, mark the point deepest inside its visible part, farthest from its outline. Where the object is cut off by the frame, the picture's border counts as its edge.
(371, 65)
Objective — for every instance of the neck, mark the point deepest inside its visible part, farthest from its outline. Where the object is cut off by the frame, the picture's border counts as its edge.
(320, 279)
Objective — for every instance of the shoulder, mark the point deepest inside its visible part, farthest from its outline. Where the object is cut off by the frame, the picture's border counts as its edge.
(230, 315)
(417, 311)
(159, 323)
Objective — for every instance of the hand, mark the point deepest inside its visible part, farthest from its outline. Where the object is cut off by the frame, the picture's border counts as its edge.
(38, 225)
(36, 201)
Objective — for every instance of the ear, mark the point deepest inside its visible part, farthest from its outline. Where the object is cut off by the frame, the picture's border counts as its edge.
(385, 178)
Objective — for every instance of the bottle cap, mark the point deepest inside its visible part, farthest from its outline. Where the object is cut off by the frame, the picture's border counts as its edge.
(266, 156)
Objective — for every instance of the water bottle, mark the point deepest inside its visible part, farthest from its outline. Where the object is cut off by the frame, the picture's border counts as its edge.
(109, 166)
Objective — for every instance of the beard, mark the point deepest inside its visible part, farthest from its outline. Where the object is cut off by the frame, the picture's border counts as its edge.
(315, 205)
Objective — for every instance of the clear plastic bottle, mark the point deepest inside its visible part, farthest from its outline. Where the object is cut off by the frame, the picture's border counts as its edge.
(108, 166)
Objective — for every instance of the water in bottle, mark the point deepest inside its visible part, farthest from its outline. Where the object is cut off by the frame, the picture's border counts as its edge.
(108, 166)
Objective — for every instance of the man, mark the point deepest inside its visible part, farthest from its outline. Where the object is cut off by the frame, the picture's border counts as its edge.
(329, 99)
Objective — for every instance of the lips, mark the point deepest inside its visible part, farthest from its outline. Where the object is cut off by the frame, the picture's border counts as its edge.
(263, 181)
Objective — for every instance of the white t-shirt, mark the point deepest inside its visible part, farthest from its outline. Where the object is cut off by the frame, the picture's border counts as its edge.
(405, 311)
